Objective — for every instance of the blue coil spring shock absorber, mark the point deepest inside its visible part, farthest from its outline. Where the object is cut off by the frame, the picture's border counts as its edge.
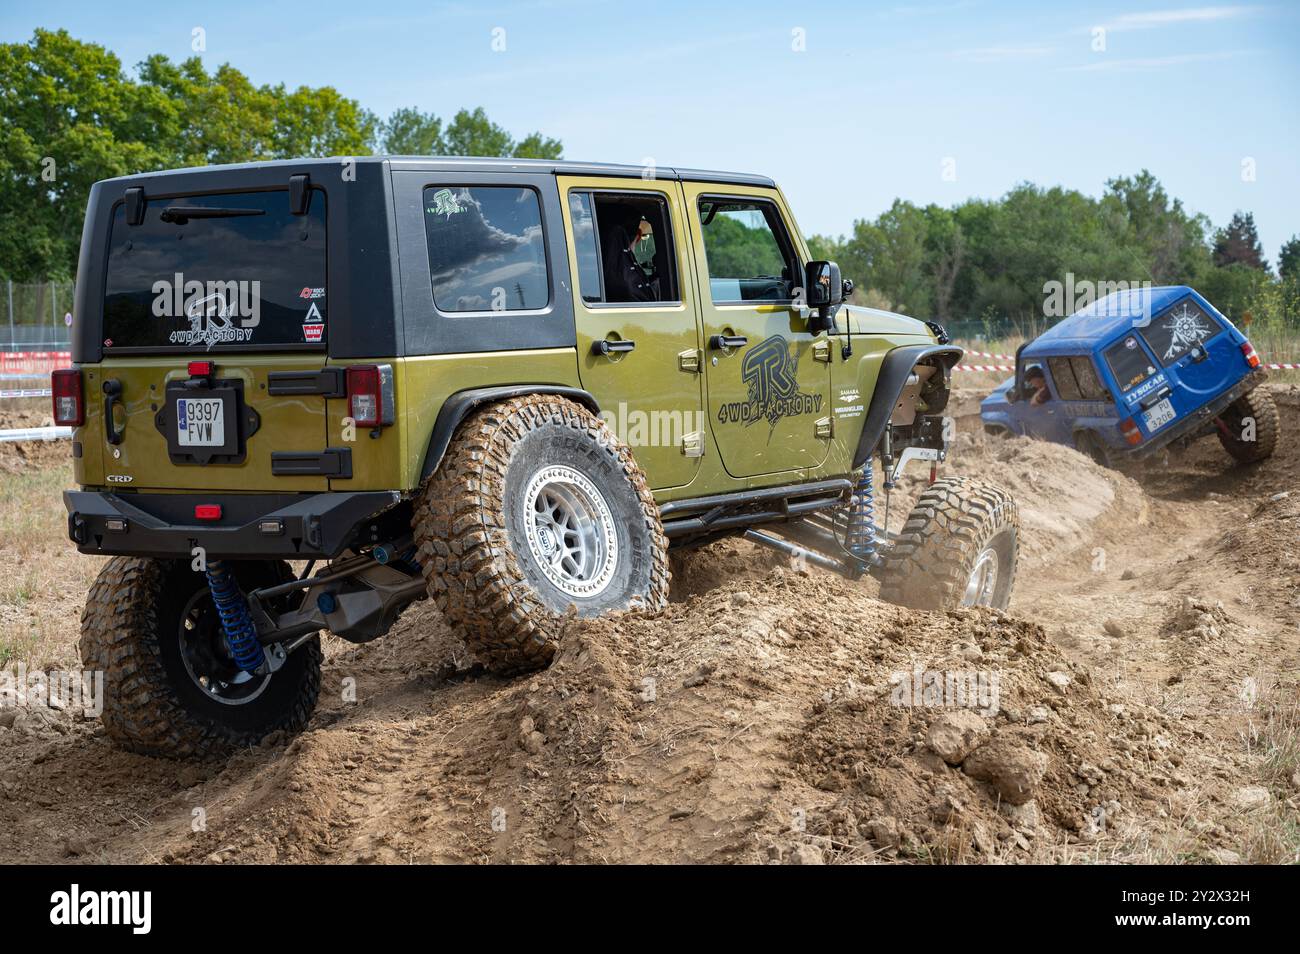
(241, 635)
(860, 539)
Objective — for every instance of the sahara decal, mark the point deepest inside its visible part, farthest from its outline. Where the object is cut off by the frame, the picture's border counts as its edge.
(772, 377)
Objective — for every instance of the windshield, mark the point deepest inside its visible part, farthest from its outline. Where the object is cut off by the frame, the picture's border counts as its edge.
(217, 272)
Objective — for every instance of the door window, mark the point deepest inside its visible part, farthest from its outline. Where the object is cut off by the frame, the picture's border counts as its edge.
(624, 246)
(1063, 377)
(748, 254)
(1085, 375)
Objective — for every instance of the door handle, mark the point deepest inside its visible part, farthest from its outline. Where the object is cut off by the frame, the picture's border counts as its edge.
(607, 346)
(112, 397)
(727, 342)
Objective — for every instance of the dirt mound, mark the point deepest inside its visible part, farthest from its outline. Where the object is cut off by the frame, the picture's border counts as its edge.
(787, 719)
(772, 714)
(17, 457)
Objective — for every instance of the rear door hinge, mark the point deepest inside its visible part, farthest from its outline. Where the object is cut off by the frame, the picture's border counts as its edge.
(822, 350)
(824, 427)
(689, 361)
(693, 444)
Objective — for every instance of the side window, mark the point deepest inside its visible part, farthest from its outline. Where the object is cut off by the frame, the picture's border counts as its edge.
(1085, 375)
(486, 251)
(1063, 376)
(624, 245)
(585, 244)
(1129, 362)
(748, 254)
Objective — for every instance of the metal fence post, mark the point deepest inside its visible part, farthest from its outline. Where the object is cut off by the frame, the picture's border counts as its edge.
(11, 314)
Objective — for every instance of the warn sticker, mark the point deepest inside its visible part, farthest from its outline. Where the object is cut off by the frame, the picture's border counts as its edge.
(313, 333)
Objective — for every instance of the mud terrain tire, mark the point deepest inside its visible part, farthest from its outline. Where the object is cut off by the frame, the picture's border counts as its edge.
(955, 524)
(1091, 445)
(537, 508)
(131, 631)
(1258, 404)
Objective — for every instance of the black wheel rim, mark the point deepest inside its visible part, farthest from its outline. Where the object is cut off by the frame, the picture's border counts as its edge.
(207, 659)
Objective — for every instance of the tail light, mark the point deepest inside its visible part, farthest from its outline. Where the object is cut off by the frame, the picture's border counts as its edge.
(1248, 350)
(1128, 427)
(370, 394)
(69, 405)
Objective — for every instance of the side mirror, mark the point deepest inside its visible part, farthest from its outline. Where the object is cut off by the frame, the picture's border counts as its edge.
(823, 291)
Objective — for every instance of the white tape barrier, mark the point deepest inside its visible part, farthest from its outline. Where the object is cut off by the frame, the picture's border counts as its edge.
(36, 434)
(24, 392)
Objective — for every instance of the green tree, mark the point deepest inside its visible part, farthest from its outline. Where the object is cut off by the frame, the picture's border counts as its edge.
(409, 131)
(1288, 261)
(1239, 242)
(71, 116)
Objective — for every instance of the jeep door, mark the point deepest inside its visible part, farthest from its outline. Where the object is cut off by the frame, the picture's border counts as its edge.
(768, 378)
(214, 338)
(638, 333)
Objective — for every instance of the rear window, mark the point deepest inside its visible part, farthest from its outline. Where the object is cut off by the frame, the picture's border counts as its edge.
(1179, 330)
(1129, 362)
(235, 271)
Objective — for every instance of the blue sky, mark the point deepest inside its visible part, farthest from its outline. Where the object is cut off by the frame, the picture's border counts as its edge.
(881, 95)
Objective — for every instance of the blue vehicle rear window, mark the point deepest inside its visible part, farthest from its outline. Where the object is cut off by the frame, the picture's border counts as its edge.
(1129, 362)
(1178, 330)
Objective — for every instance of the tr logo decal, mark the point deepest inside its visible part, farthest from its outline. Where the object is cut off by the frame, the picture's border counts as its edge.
(771, 375)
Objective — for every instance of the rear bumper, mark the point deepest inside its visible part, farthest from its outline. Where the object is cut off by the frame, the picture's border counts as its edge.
(1194, 424)
(163, 525)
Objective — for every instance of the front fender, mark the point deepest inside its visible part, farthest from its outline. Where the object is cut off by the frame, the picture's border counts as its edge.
(894, 370)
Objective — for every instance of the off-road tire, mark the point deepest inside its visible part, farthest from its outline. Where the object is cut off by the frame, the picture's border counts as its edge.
(471, 536)
(954, 521)
(129, 632)
(1258, 404)
(1092, 446)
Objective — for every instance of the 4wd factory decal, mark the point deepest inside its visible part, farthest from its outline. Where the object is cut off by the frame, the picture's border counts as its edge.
(772, 376)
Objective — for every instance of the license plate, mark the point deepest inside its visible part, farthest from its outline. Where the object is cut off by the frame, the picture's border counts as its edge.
(200, 422)
(1159, 416)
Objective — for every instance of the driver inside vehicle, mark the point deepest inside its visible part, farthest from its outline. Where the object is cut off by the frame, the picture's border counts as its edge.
(1036, 385)
(629, 257)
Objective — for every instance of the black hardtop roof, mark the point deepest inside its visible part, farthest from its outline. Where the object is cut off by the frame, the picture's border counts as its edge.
(475, 164)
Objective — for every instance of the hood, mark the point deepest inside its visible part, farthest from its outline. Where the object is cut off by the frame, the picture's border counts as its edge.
(999, 394)
(877, 321)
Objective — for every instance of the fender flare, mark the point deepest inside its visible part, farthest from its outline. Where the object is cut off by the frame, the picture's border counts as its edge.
(458, 406)
(894, 369)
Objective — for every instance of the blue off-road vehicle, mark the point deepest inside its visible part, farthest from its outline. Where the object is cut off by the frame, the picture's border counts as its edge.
(1135, 372)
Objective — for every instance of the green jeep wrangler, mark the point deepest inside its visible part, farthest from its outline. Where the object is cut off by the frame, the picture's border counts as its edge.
(513, 386)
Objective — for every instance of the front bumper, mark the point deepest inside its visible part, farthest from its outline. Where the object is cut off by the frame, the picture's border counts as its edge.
(1196, 424)
(286, 526)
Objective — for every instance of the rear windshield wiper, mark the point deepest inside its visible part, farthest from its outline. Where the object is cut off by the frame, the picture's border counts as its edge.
(180, 214)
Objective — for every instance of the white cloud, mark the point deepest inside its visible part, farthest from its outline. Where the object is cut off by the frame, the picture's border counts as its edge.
(1152, 63)
(1001, 54)
(1163, 18)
